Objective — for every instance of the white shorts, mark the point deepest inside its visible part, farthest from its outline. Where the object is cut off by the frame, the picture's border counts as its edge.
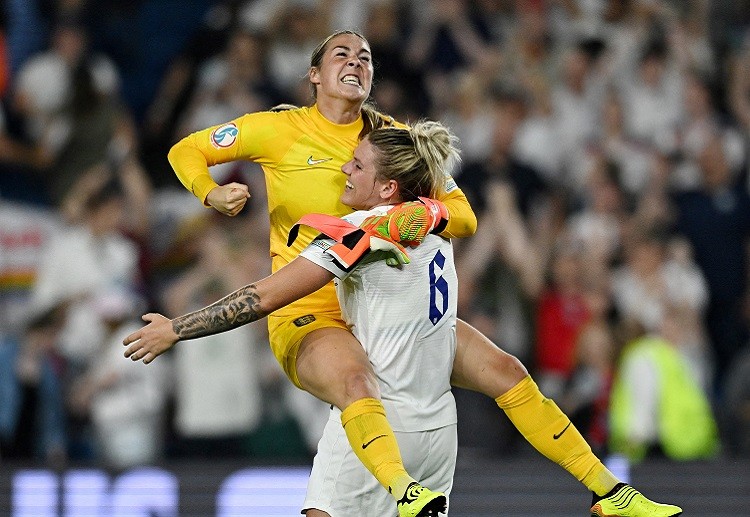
(341, 486)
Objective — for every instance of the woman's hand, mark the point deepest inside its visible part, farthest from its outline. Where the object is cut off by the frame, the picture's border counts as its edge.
(229, 199)
(152, 340)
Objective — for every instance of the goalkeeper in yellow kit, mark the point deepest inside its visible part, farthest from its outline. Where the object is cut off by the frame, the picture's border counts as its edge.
(301, 152)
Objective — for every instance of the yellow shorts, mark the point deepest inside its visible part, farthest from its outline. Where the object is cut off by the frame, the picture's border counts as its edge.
(286, 334)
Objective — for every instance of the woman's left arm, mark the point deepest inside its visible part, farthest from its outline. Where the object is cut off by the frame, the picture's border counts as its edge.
(462, 222)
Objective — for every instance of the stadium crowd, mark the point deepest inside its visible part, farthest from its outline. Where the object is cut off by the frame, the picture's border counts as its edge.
(605, 152)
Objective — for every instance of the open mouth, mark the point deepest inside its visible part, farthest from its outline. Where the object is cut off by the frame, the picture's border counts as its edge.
(348, 186)
(351, 79)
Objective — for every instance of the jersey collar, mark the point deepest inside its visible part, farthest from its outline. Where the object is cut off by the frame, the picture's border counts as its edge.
(341, 130)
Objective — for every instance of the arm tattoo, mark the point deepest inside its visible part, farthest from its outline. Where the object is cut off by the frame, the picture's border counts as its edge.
(232, 311)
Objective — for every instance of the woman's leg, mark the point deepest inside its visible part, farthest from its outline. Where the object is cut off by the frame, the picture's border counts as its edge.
(481, 366)
(333, 366)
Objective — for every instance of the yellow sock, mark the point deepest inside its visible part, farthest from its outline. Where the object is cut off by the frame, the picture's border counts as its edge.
(374, 443)
(547, 428)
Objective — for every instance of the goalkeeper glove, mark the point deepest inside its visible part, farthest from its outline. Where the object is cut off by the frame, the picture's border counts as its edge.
(408, 223)
(351, 242)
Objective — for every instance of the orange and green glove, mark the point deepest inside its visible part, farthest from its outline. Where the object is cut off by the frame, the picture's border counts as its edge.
(351, 242)
(408, 223)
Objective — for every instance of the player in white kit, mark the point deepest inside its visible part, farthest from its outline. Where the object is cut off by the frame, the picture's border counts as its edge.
(405, 318)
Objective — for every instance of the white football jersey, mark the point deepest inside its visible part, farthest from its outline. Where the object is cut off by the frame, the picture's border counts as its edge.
(405, 318)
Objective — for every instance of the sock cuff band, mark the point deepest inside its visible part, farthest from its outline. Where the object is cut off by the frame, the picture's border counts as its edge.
(361, 407)
(518, 394)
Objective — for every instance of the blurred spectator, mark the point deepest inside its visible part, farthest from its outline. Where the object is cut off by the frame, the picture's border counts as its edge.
(470, 116)
(585, 395)
(33, 420)
(659, 276)
(22, 167)
(596, 221)
(178, 80)
(298, 27)
(352, 13)
(536, 141)
(560, 314)
(86, 258)
(498, 15)
(399, 88)
(715, 218)
(81, 261)
(260, 15)
(627, 27)
(687, 27)
(700, 123)
(124, 401)
(634, 160)
(447, 38)
(69, 100)
(114, 144)
(66, 116)
(24, 233)
(658, 407)
(652, 97)
(501, 270)
(650, 281)
(729, 23)
(502, 163)
(529, 53)
(217, 378)
(141, 37)
(576, 101)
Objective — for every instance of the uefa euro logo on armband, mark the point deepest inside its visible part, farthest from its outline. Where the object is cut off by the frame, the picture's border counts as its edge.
(224, 136)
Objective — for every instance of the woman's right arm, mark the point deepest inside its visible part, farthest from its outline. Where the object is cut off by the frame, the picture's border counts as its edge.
(245, 305)
(192, 156)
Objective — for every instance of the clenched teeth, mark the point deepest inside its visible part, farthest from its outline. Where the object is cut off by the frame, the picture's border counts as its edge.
(351, 79)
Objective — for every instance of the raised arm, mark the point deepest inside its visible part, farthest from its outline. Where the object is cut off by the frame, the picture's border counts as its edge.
(190, 158)
(245, 305)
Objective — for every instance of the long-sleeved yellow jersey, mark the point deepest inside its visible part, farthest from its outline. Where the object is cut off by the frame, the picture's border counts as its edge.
(301, 153)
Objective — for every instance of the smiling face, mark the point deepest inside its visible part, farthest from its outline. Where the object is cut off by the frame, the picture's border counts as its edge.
(345, 69)
(363, 189)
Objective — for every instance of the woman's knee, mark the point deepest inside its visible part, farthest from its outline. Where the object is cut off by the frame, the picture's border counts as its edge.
(482, 366)
(360, 383)
(505, 371)
(347, 385)
(510, 368)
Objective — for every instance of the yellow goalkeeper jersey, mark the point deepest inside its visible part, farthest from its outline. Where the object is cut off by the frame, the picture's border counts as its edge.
(301, 153)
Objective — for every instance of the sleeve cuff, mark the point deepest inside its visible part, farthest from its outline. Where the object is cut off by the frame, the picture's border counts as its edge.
(202, 185)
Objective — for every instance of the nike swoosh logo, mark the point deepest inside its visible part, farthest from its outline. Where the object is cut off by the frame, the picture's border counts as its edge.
(310, 160)
(558, 435)
(364, 445)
